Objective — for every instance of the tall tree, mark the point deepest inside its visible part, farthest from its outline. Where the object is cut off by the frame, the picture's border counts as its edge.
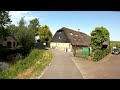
(25, 36)
(45, 34)
(4, 21)
(34, 24)
(98, 36)
(4, 18)
(22, 22)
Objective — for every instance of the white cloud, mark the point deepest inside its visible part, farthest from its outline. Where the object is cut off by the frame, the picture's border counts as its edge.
(16, 16)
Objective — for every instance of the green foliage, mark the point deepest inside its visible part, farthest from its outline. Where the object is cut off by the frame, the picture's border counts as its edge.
(22, 22)
(22, 65)
(45, 34)
(34, 24)
(26, 38)
(115, 44)
(3, 32)
(99, 54)
(12, 29)
(98, 36)
(4, 18)
(4, 52)
(4, 21)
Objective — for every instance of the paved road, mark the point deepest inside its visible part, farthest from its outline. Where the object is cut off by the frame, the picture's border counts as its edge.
(62, 67)
(107, 68)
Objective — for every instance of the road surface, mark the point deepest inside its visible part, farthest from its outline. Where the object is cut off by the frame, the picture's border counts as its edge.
(62, 67)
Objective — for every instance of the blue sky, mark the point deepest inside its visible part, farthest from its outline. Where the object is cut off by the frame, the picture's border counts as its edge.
(86, 21)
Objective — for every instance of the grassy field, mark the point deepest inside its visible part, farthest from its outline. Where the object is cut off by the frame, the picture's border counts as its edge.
(29, 67)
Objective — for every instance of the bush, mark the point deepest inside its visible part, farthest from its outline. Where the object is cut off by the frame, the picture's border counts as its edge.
(25, 38)
(99, 54)
(4, 52)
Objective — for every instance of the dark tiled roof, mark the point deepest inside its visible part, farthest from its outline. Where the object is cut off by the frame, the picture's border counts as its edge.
(9, 38)
(76, 37)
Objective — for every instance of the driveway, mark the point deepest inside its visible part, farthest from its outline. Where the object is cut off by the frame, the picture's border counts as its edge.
(61, 67)
(107, 68)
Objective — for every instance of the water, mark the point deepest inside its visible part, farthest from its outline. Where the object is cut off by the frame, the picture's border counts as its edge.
(4, 66)
(10, 60)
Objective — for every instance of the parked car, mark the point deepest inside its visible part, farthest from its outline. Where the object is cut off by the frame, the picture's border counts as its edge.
(115, 51)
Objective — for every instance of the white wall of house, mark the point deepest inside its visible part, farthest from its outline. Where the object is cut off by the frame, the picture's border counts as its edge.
(61, 46)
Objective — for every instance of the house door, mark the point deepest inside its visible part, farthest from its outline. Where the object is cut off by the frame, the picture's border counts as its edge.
(13, 44)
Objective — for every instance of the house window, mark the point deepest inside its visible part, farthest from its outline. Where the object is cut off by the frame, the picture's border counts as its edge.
(71, 33)
(59, 37)
(9, 44)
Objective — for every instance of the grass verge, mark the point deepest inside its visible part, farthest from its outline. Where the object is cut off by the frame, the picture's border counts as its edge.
(31, 66)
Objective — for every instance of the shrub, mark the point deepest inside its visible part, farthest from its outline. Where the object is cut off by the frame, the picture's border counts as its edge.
(6, 52)
(99, 54)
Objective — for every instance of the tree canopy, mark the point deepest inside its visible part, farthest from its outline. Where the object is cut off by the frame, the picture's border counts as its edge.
(98, 36)
(34, 24)
(22, 22)
(12, 29)
(4, 21)
(4, 18)
(25, 36)
(45, 34)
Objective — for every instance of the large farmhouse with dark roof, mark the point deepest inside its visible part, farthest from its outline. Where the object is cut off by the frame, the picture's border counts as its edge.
(68, 39)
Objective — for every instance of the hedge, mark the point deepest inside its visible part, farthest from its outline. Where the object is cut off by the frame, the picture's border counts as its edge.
(99, 54)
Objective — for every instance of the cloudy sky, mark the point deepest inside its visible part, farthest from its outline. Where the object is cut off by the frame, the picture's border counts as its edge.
(86, 21)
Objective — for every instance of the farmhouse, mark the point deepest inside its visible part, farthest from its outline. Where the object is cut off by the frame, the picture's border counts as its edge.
(9, 41)
(69, 40)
